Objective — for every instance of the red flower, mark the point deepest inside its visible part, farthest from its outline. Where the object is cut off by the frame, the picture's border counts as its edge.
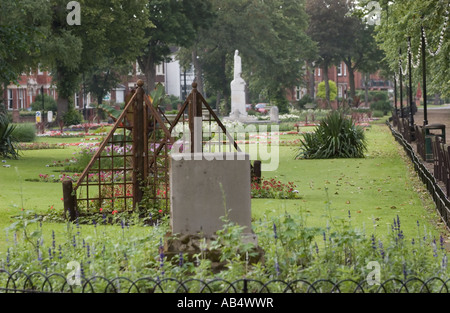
(114, 212)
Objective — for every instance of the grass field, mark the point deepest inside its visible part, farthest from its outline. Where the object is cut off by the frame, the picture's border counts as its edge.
(372, 191)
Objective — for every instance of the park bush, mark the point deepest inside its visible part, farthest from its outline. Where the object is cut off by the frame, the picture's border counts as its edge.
(49, 103)
(381, 105)
(72, 117)
(337, 136)
(25, 132)
(8, 148)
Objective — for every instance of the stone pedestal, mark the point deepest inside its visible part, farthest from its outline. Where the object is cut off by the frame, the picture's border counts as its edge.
(238, 98)
(274, 116)
(204, 187)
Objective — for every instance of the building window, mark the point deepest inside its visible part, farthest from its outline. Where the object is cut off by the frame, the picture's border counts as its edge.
(342, 70)
(21, 102)
(138, 69)
(10, 99)
(160, 69)
(299, 92)
(77, 100)
(318, 71)
(340, 91)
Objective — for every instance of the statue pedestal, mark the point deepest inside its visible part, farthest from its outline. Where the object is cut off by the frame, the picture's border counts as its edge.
(205, 187)
(238, 98)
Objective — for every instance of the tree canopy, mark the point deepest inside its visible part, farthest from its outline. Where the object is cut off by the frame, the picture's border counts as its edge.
(405, 18)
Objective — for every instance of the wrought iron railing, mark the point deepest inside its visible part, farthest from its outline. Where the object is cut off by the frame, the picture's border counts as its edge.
(21, 282)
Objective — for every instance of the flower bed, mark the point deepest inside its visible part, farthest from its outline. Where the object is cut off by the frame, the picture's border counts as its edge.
(272, 188)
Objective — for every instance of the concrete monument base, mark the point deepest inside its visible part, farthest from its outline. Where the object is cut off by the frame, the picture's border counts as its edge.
(205, 187)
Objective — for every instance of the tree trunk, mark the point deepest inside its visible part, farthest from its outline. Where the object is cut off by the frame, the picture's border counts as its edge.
(62, 105)
(218, 102)
(198, 71)
(351, 78)
(366, 89)
(327, 85)
(148, 66)
(312, 83)
(150, 74)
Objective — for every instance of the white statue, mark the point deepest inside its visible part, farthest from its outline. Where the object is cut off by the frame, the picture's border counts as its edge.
(237, 90)
(237, 65)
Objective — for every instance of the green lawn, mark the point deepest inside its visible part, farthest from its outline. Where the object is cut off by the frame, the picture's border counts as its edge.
(374, 190)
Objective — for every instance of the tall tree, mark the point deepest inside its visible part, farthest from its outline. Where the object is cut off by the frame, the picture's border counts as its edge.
(270, 37)
(363, 54)
(330, 27)
(21, 26)
(110, 33)
(402, 19)
(175, 24)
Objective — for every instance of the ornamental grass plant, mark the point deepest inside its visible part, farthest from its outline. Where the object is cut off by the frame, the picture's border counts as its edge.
(337, 136)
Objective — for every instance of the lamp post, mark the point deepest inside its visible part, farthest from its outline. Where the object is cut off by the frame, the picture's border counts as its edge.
(411, 112)
(424, 80)
(401, 85)
(43, 110)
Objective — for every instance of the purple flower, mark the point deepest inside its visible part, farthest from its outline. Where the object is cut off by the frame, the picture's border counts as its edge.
(181, 260)
(404, 271)
(434, 248)
(277, 267)
(374, 245)
(275, 231)
(380, 245)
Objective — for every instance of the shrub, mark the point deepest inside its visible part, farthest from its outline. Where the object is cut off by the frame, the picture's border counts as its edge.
(8, 147)
(378, 114)
(336, 137)
(321, 92)
(49, 103)
(24, 132)
(72, 117)
(306, 99)
(381, 105)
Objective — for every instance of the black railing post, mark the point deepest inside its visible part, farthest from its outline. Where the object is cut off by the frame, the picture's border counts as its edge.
(424, 80)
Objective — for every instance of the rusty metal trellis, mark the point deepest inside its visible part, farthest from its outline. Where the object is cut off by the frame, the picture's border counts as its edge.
(132, 162)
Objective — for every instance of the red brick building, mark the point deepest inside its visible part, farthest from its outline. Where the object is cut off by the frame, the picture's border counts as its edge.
(20, 96)
(340, 75)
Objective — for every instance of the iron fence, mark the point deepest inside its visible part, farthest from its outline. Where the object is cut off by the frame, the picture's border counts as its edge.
(439, 196)
(37, 282)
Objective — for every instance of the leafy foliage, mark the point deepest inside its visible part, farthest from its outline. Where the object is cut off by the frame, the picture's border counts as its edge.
(24, 132)
(321, 92)
(403, 19)
(72, 117)
(336, 137)
(8, 147)
(49, 103)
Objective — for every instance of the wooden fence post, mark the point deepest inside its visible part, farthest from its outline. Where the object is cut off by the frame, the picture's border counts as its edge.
(257, 170)
(70, 200)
